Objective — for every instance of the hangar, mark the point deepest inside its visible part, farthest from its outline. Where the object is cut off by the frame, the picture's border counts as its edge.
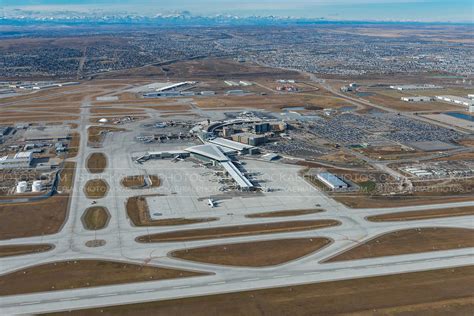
(332, 181)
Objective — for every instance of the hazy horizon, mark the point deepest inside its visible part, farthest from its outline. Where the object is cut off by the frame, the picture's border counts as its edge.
(382, 10)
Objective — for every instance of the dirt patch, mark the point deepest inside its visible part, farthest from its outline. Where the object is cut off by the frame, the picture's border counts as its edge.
(18, 250)
(96, 163)
(74, 143)
(137, 211)
(96, 189)
(284, 213)
(95, 218)
(138, 182)
(45, 217)
(409, 241)
(254, 254)
(238, 231)
(436, 292)
(425, 214)
(65, 275)
(66, 177)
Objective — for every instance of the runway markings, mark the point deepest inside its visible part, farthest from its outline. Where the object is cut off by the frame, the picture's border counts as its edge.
(249, 280)
(69, 299)
(216, 283)
(181, 287)
(310, 273)
(30, 303)
(281, 276)
(108, 294)
(143, 291)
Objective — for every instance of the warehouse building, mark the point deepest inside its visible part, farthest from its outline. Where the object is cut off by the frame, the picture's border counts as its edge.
(456, 100)
(332, 181)
(17, 161)
(415, 87)
(417, 99)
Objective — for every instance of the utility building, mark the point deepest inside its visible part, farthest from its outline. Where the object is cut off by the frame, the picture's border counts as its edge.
(19, 160)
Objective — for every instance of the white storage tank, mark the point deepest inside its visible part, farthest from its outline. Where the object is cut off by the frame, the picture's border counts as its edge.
(37, 186)
(21, 187)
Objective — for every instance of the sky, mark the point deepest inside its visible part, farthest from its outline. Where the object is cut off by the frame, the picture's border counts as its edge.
(386, 10)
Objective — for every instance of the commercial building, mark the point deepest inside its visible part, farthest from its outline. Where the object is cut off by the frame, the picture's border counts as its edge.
(261, 128)
(455, 100)
(249, 138)
(471, 109)
(417, 99)
(332, 181)
(415, 87)
(19, 160)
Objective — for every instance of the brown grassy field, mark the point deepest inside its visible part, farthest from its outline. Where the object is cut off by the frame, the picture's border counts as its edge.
(393, 201)
(96, 188)
(138, 181)
(436, 293)
(95, 218)
(137, 211)
(254, 254)
(18, 250)
(424, 214)
(96, 133)
(238, 231)
(283, 213)
(391, 99)
(115, 111)
(65, 275)
(409, 241)
(271, 102)
(96, 163)
(33, 219)
(34, 118)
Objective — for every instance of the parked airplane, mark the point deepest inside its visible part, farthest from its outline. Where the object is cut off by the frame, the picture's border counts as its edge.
(211, 203)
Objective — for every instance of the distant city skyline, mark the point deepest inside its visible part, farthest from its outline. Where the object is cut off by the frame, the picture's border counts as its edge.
(367, 10)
